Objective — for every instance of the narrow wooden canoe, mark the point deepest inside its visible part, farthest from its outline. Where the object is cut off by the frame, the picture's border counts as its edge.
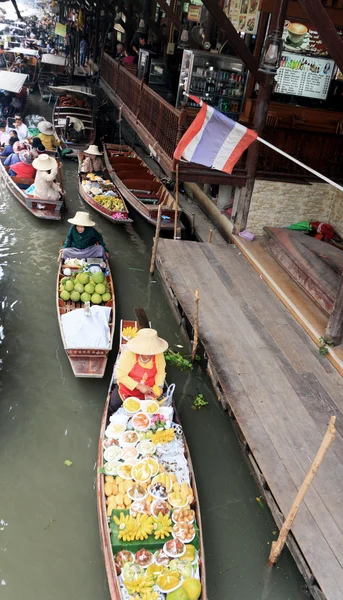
(105, 538)
(62, 113)
(43, 209)
(85, 362)
(105, 212)
(140, 186)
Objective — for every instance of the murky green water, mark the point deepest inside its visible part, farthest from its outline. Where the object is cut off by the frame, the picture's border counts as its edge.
(49, 542)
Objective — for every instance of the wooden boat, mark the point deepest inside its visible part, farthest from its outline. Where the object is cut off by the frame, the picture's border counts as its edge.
(53, 70)
(140, 186)
(74, 102)
(102, 210)
(17, 84)
(85, 362)
(43, 209)
(112, 578)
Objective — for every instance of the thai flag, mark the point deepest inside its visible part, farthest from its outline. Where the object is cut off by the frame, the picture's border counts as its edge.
(214, 140)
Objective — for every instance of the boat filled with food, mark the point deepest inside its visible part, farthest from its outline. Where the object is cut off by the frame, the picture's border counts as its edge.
(148, 507)
(103, 195)
(86, 313)
(73, 116)
(140, 186)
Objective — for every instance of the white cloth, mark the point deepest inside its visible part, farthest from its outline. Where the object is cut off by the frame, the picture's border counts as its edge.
(45, 187)
(22, 131)
(81, 331)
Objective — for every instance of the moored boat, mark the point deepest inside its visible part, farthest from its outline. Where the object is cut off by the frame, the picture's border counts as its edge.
(39, 207)
(115, 506)
(140, 186)
(52, 70)
(87, 334)
(111, 207)
(73, 116)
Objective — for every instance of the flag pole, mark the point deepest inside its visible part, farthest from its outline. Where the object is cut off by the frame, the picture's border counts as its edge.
(176, 200)
(295, 160)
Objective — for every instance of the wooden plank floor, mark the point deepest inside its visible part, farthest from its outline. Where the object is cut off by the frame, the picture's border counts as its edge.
(281, 390)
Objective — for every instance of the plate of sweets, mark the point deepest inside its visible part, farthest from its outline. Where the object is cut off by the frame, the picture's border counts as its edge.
(151, 407)
(137, 492)
(161, 558)
(169, 581)
(113, 453)
(131, 405)
(174, 548)
(141, 421)
(184, 531)
(129, 452)
(146, 447)
(129, 438)
(143, 558)
(160, 507)
(183, 515)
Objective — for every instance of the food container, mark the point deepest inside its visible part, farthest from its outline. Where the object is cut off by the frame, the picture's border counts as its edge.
(141, 472)
(129, 452)
(146, 447)
(158, 491)
(123, 557)
(164, 578)
(159, 506)
(108, 442)
(150, 407)
(177, 501)
(111, 468)
(180, 533)
(129, 438)
(131, 405)
(144, 558)
(113, 453)
(124, 471)
(141, 421)
(160, 558)
(139, 507)
(165, 480)
(174, 548)
(119, 418)
(137, 492)
(183, 514)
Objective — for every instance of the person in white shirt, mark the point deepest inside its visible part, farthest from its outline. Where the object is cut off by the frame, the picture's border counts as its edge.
(20, 128)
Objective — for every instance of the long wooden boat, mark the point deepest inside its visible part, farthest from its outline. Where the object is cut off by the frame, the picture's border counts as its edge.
(105, 538)
(40, 208)
(74, 101)
(102, 210)
(85, 362)
(140, 186)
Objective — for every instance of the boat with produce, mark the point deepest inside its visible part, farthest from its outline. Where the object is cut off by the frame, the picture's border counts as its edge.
(148, 506)
(140, 186)
(102, 195)
(73, 115)
(40, 208)
(86, 314)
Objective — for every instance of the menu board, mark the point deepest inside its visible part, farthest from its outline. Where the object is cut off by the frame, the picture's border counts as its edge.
(306, 76)
(302, 37)
(243, 14)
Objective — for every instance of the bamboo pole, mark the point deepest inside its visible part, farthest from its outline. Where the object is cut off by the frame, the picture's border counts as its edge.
(210, 236)
(195, 324)
(176, 200)
(156, 238)
(278, 545)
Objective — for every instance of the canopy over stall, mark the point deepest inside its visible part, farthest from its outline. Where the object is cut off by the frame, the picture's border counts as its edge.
(52, 59)
(12, 82)
(25, 51)
(81, 90)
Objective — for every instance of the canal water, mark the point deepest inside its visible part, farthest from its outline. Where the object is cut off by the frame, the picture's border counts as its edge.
(49, 541)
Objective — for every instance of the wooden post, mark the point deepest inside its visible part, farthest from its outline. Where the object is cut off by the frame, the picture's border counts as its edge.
(334, 330)
(209, 240)
(193, 224)
(176, 200)
(195, 324)
(157, 235)
(325, 445)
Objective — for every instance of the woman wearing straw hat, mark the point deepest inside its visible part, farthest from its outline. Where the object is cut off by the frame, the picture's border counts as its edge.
(92, 163)
(83, 240)
(46, 186)
(47, 136)
(141, 369)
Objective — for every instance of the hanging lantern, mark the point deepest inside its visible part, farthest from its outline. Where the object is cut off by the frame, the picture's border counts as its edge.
(184, 36)
(271, 54)
(141, 26)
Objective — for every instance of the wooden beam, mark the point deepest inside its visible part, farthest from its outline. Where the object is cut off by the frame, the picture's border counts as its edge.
(170, 14)
(334, 330)
(326, 29)
(234, 38)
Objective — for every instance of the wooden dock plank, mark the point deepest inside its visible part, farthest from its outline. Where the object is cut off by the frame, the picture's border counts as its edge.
(279, 387)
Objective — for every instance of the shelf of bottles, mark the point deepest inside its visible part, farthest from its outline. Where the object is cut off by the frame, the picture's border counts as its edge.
(222, 89)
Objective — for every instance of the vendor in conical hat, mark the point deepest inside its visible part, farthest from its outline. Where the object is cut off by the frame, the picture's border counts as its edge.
(141, 369)
(47, 136)
(92, 163)
(83, 240)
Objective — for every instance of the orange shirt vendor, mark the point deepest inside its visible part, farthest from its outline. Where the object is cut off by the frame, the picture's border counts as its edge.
(142, 367)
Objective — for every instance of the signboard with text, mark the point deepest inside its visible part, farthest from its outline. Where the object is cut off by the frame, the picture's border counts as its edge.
(306, 76)
(61, 30)
(243, 14)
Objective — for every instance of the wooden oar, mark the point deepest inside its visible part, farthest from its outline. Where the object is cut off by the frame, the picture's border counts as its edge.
(142, 318)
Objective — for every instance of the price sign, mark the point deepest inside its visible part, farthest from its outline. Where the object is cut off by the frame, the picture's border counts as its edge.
(306, 76)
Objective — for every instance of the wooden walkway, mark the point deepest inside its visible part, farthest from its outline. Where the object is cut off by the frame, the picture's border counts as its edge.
(280, 389)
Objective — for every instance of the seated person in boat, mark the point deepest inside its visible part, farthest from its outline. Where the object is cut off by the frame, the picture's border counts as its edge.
(8, 149)
(141, 369)
(20, 128)
(83, 240)
(37, 147)
(14, 158)
(92, 163)
(24, 167)
(47, 136)
(46, 186)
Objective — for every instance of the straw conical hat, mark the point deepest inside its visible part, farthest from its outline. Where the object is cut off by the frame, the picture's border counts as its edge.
(147, 342)
(44, 162)
(46, 127)
(82, 219)
(93, 150)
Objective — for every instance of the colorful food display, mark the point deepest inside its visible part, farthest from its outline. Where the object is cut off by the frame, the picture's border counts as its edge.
(85, 286)
(150, 506)
(105, 193)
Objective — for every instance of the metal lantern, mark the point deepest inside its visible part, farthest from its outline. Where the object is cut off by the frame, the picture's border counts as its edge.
(271, 54)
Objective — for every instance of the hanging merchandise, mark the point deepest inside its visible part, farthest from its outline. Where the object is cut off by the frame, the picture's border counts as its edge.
(80, 20)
